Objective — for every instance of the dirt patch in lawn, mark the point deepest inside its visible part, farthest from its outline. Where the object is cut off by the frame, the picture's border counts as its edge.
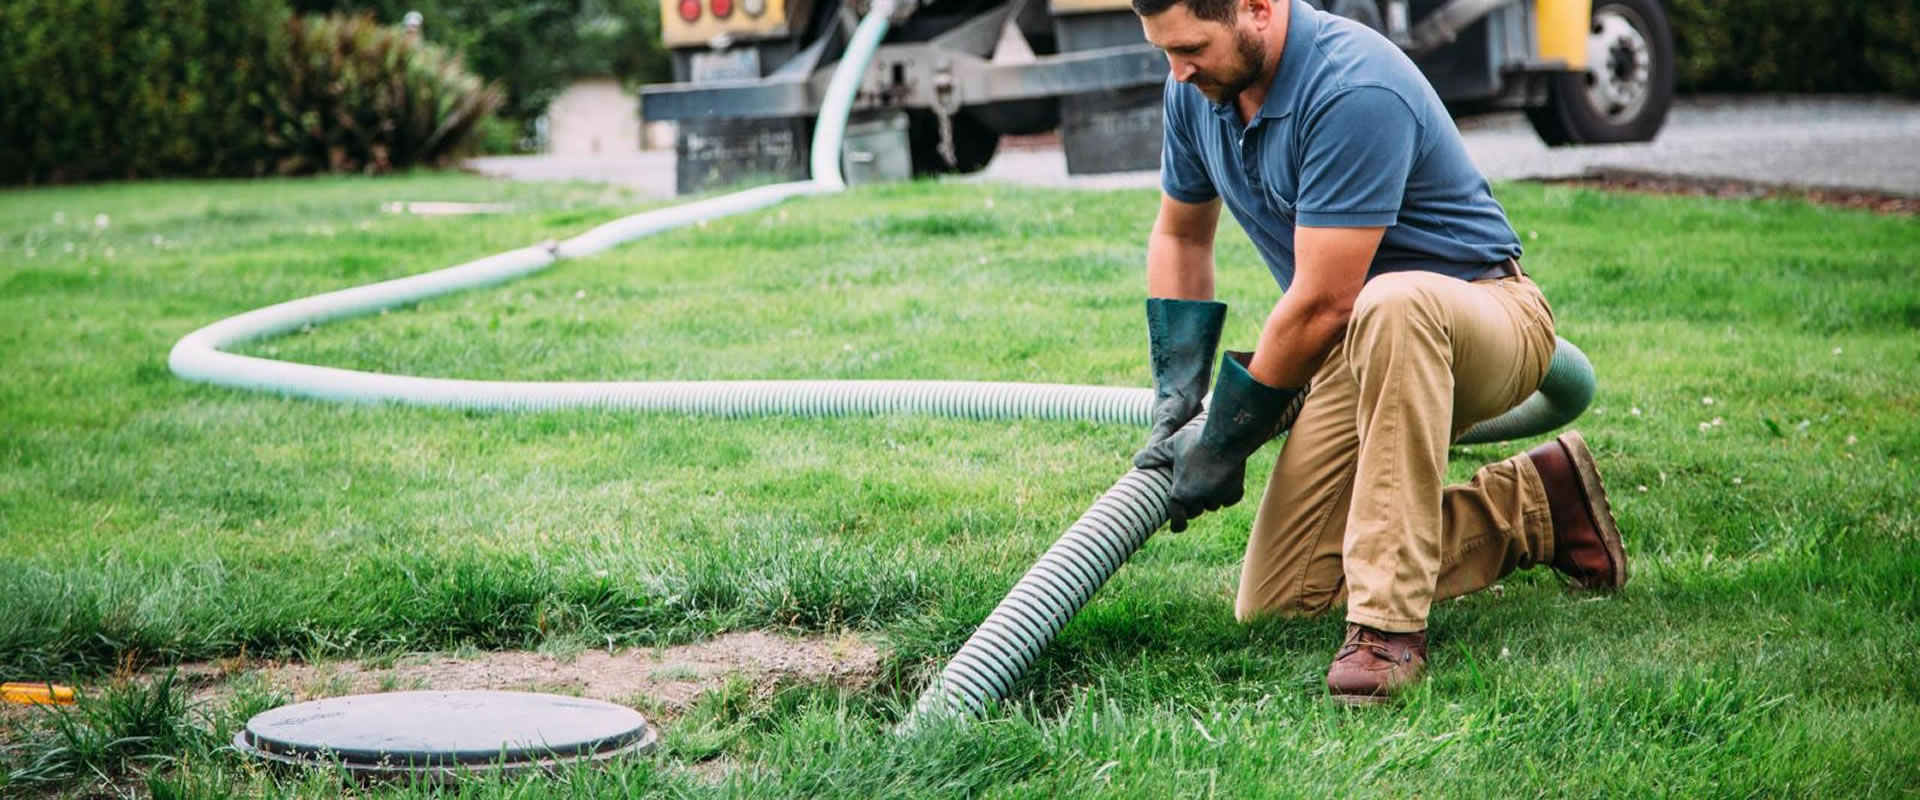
(658, 680)
(1726, 188)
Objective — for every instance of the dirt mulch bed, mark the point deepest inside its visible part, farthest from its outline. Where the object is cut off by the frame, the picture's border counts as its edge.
(664, 680)
(660, 681)
(1727, 188)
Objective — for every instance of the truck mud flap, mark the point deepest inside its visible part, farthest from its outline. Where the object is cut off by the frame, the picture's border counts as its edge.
(1115, 131)
(711, 154)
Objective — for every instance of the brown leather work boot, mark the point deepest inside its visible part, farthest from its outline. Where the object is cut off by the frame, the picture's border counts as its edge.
(1374, 665)
(1586, 542)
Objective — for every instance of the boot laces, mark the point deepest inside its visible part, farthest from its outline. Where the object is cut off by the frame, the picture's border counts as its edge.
(1361, 637)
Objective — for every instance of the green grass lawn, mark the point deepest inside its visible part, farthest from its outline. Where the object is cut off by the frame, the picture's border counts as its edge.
(1756, 424)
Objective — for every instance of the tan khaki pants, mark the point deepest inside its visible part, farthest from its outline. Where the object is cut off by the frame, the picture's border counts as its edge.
(1355, 511)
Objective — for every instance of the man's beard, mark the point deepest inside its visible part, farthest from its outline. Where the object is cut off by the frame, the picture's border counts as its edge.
(1252, 56)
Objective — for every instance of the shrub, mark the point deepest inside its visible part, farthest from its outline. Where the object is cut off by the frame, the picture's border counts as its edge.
(93, 89)
(534, 48)
(1797, 46)
(348, 94)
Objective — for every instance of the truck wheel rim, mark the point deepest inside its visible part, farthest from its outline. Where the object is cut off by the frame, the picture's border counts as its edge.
(1619, 64)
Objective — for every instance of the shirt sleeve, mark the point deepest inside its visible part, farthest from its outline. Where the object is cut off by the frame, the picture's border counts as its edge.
(1359, 150)
(1183, 176)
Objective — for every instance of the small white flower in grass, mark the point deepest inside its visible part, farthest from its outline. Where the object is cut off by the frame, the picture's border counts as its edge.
(1737, 481)
(847, 348)
(783, 213)
(1531, 235)
(1852, 439)
(159, 240)
(100, 221)
(59, 217)
(1505, 653)
(701, 224)
(1836, 351)
(1717, 422)
(1706, 426)
(983, 260)
(1706, 401)
(989, 204)
(1600, 412)
(1634, 411)
(1641, 487)
(599, 573)
(580, 295)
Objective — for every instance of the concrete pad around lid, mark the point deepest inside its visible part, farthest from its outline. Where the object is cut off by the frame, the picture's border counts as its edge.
(444, 733)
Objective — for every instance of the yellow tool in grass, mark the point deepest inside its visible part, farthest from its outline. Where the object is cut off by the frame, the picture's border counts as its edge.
(37, 694)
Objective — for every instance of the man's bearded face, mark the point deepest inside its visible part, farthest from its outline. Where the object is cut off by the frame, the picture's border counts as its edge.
(1224, 83)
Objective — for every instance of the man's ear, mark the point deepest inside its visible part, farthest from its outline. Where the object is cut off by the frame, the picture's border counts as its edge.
(1260, 12)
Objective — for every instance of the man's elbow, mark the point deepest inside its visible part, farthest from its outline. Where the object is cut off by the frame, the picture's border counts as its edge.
(1329, 314)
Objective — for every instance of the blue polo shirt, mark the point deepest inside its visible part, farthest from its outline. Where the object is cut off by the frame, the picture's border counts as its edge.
(1351, 135)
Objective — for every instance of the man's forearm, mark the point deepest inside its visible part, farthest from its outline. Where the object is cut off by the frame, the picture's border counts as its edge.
(1179, 268)
(1295, 339)
(1331, 267)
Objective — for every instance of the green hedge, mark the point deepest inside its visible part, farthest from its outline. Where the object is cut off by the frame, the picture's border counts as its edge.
(117, 89)
(1797, 45)
(93, 89)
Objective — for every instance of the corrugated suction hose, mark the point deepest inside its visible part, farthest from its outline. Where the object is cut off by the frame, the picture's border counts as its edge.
(1042, 602)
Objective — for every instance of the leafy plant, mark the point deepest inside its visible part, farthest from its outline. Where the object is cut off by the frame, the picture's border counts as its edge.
(533, 48)
(351, 95)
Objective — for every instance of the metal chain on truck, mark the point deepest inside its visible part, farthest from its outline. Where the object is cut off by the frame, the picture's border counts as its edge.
(946, 103)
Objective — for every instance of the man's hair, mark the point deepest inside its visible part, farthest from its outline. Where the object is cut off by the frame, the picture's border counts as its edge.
(1210, 10)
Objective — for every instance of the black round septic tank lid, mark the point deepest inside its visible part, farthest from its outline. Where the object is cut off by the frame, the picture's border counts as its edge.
(411, 732)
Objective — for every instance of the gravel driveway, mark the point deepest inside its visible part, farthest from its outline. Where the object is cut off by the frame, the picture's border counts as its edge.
(1869, 144)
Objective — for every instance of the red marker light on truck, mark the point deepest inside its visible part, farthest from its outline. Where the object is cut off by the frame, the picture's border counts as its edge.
(721, 8)
(690, 10)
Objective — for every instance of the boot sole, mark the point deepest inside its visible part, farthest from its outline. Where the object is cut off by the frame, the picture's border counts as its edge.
(1593, 495)
(1362, 700)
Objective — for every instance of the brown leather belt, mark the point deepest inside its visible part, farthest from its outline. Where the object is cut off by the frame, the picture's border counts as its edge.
(1509, 268)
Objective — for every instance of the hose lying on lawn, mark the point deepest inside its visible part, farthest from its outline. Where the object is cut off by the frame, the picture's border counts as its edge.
(1042, 602)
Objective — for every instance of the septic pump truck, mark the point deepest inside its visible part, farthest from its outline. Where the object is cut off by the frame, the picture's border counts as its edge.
(953, 76)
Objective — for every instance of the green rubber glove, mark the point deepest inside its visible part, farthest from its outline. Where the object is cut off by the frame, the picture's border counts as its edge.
(1181, 338)
(1210, 462)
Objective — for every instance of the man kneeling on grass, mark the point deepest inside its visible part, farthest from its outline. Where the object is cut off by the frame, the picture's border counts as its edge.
(1404, 310)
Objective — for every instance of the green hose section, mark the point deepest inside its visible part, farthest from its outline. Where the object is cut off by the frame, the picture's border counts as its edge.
(1564, 395)
(1065, 578)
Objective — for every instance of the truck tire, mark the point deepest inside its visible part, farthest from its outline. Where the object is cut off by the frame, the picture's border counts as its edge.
(973, 143)
(1624, 94)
